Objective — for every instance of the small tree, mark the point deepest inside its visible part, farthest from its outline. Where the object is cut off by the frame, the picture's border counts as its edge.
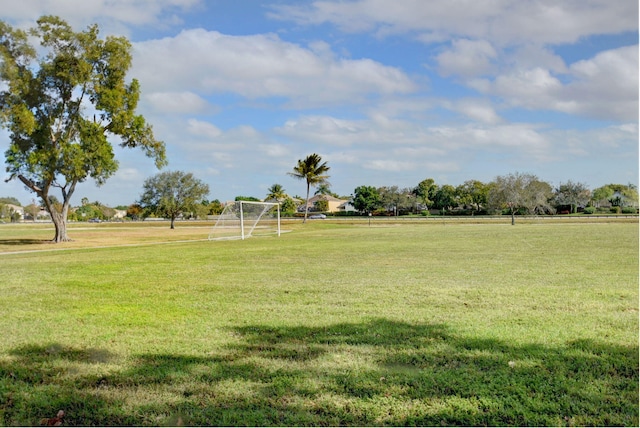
(172, 193)
(288, 206)
(425, 191)
(397, 200)
(60, 108)
(445, 197)
(572, 194)
(519, 191)
(321, 205)
(215, 207)
(366, 199)
(32, 209)
(474, 193)
(313, 171)
(538, 197)
(135, 211)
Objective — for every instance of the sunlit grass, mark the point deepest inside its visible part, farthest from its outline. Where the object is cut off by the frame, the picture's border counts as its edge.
(331, 324)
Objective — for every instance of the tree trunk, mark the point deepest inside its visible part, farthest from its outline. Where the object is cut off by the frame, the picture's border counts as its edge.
(173, 219)
(306, 204)
(59, 218)
(60, 224)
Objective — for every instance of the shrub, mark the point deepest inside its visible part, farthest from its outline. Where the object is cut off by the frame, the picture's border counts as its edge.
(629, 210)
(425, 213)
(589, 210)
(615, 210)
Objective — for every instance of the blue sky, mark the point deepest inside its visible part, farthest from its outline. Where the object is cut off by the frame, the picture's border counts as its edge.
(388, 92)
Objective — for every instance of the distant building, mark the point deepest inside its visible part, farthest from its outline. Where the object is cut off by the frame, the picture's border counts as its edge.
(15, 209)
(120, 214)
(347, 207)
(333, 203)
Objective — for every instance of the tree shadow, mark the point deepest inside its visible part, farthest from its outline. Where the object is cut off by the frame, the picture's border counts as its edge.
(381, 372)
(25, 241)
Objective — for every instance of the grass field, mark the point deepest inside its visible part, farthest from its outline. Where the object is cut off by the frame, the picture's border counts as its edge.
(425, 323)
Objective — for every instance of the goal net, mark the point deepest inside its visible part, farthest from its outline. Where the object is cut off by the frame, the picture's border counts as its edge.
(244, 219)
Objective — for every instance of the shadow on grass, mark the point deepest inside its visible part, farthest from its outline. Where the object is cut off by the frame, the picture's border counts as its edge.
(24, 241)
(374, 373)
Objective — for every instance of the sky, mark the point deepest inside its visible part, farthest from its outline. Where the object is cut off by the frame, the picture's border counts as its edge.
(389, 93)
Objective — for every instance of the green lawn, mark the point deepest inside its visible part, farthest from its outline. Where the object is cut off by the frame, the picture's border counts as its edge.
(332, 324)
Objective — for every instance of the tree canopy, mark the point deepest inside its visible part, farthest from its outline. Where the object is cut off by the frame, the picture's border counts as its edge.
(473, 192)
(276, 193)
(61, 101)
(366, 199)
(572, 194)
(172, 193)
(425, 191)
(520, 191)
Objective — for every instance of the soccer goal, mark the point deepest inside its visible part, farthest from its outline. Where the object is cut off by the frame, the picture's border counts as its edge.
(244, 219)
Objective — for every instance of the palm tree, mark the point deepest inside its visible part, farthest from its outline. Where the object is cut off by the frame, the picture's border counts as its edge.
(276, 193)
(313, 171)
(324, 189)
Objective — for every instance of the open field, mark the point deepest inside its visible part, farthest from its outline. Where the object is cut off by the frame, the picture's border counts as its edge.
(334, 323)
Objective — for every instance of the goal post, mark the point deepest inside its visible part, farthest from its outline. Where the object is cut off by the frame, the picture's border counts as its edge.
(245, 219)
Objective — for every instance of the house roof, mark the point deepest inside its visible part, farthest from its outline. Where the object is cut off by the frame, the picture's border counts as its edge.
(327, 198)
(16, 208)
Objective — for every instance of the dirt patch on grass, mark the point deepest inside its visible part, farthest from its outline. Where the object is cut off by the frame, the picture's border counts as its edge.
(28, 238)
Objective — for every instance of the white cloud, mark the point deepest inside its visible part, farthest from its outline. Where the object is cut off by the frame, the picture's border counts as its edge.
(261, 66)
(400, 140)
(114, 17)
(178, 102)
(389, 165)
(504, 48)
(529, 56)
(203, 129)
(606, 85)
(467, 58)
(529, 88)
(501, 22)
(324, 130)
(603, 87)
(275, 150)
(82, 13)
(479, 110)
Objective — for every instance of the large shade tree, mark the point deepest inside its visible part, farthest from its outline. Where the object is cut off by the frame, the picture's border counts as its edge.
(172, 193)
(62, 101)
(313, 171)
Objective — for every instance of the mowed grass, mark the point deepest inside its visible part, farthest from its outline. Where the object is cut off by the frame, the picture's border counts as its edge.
(332, 324)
